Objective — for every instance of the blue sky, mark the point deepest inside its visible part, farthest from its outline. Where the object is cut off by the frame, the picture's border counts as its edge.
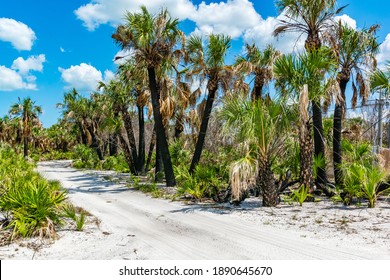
(48, 47)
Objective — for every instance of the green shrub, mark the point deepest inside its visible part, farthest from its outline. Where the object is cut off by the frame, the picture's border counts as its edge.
(117, 163)
(300, 195)
(34, 206)
(31, 203)
(70, 211)
(204, 183)
(85, 157)
(363, 181)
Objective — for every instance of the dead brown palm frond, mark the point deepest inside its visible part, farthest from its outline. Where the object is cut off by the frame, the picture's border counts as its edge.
(303, 105)
(167, 108)
(280, 29)
(143, 98)
(150, 110)
(363, 86)
(242, 175)
(354, 95)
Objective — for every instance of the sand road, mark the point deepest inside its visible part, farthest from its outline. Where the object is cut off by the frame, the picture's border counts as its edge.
(136, 226)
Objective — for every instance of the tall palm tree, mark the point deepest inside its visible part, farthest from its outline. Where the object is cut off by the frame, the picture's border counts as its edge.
(310, 17)
(135, 78)
(304, 74)
(27, 112)
(355, 52)
(258, 63)
(153, 38)
(208, 62)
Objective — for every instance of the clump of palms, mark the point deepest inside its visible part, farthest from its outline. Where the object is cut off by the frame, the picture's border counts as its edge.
(262, 128)
(307, 78)
(153, 39)
(312, 18)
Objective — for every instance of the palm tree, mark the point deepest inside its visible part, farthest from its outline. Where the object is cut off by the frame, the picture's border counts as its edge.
(208, 62)
(300, 75)
(27, 112)
(74, 111)
(119, 99)
(135, 79)
(85, 113)
(152, 37)
(355, 51)
(310, 17)
(262, 128)
(259, 64)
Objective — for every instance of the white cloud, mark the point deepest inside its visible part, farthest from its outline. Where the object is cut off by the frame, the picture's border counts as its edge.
(11, 80)
(345, 19)
(108, 76)
(262, 35)
(111, 11)
(84, 76)
(384, 51)
(19, 76)
(232, 17)
(17, 33)
(33, 63)
(62, 49)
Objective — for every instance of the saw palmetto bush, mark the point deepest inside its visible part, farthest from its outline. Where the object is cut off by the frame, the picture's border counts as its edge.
(31, 204)
(361, 176)
(207, 181)
(85, 157)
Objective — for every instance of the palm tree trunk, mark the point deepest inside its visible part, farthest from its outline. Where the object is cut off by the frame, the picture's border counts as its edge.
(319, 145)
(141, 142)
(113, 144)
(258, 88)
(159, 164)
(179, 127)
(130, 133)
(160, 131)
(151, 148)
(306, 156)
(212, 89)
(95, 143)
(82, 133)
(337, 128)
(25, 146)
(266, 182)
(127, 151)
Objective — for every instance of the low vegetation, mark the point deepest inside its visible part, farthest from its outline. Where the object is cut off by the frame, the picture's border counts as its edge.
(31, 205)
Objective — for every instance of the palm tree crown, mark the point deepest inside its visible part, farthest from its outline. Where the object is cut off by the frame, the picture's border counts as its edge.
(26, 110)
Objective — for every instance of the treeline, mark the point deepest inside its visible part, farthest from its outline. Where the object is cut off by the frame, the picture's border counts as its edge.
(176, 107)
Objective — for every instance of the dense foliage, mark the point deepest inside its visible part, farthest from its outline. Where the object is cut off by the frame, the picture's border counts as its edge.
(176, 111)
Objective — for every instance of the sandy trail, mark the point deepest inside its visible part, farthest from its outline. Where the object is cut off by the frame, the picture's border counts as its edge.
(136, 226)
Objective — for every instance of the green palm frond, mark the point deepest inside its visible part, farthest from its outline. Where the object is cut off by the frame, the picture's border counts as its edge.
(380, 79)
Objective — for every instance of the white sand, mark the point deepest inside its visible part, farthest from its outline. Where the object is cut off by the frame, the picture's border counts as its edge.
(132, 225)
